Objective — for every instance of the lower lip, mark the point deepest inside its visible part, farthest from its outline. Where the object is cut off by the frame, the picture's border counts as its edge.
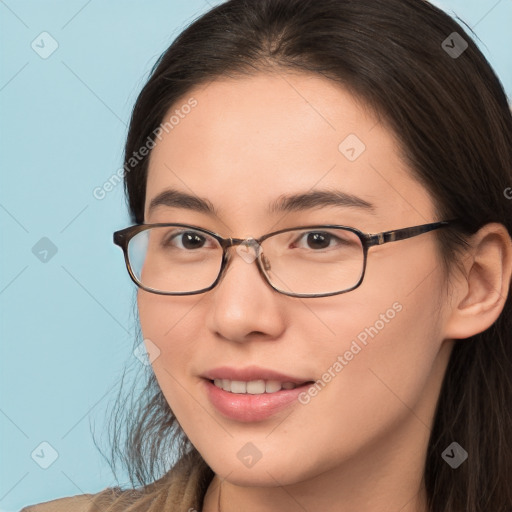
(247, 407)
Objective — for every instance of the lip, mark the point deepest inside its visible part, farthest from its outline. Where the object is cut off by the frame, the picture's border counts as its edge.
(252, 408)
(251, 373)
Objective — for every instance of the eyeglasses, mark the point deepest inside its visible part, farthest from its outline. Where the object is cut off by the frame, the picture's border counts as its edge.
(307, 261)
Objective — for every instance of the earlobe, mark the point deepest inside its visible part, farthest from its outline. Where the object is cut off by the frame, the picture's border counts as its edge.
(482, 293)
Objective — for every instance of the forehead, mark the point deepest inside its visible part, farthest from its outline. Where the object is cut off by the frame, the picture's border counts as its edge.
(247, 141)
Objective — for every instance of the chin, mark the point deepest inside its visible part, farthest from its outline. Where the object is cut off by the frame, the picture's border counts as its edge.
(268, 471)
(262, 477)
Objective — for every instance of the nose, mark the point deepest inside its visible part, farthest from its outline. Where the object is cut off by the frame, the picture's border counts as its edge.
(243, 305)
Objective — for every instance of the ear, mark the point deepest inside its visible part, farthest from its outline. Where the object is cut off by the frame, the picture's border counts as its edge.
(479, 296)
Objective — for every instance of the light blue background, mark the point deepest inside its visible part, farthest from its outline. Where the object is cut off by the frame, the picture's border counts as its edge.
(68, 326)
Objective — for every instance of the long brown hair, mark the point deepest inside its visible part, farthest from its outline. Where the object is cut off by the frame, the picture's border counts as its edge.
(451, 117)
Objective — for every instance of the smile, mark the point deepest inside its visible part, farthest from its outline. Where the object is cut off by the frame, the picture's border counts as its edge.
(253, 387)
(250, 401)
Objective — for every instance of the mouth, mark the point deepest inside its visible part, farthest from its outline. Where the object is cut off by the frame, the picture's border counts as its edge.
(255, 387)
(254, 400)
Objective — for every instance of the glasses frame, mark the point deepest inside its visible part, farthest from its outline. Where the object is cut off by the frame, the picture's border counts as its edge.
(123, 237)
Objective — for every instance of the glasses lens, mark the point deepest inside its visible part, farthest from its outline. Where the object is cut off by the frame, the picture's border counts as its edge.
(318, 261)
(174, 259)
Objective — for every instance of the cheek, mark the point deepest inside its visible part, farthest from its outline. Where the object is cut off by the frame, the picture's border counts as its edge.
(171, 323)
(163, 316)
(380, 363)
(175, 325)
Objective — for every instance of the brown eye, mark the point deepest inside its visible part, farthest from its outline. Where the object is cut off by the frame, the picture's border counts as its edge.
(187, 240)
(191, 240)
(317, 240)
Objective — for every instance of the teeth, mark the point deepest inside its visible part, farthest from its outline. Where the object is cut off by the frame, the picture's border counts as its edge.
(237, 386)
(271, 386)
(253, 387)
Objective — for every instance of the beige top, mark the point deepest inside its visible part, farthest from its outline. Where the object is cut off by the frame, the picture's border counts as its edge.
(182, 489)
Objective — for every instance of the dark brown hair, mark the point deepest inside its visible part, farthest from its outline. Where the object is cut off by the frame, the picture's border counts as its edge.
(451, 118)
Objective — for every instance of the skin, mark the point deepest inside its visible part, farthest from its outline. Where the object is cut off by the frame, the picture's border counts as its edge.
(360, 444)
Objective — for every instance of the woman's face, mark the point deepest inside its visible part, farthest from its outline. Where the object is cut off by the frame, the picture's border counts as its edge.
(377, 351)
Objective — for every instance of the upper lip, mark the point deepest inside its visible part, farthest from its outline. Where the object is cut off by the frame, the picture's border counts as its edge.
(250, 373)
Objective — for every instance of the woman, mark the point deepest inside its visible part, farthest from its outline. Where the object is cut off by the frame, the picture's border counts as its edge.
(323, 258)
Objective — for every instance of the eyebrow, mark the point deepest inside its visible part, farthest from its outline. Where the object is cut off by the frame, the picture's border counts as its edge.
(318, 198)
(176, 199)
(286, 203)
